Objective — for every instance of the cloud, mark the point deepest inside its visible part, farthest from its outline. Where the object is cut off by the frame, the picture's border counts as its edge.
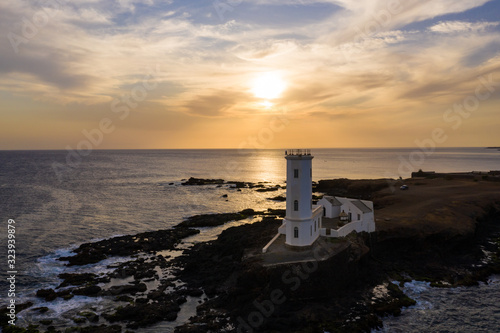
(214, 105)
(461, 26)
(361, 19)
(130, 5)
(93, 16)
(264, 49)
(50, 68)
(309, 93)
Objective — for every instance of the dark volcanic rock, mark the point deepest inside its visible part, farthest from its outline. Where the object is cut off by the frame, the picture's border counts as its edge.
(278, 198)
(87, 291)
(442, 256)
(276, 212)
(89, 253)
(65, 294)
(238, 184)
(128, 289)
(41, 309)
(96, 329)
(267, 189)
(201, 181)
(76, 279)
(91, 316)
(144, 314)
(139, 268)
(393, 302)
(155, 294)
(208, 264)
(211, 220)
(361, 189)
(193, 292)
(218, 182)
(327, 295)
(303, 298)
(4, 311)
(124, 298)
(48, 294)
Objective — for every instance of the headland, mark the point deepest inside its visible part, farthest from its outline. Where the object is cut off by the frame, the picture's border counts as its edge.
(444, 230)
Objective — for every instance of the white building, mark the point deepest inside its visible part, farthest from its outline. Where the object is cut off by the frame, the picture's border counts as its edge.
(341, 216)
(331, 217)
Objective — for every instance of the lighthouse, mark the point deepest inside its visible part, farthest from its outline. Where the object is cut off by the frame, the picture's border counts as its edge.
(302, 220)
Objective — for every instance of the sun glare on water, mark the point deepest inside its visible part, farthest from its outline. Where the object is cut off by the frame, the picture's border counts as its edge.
(268, 86)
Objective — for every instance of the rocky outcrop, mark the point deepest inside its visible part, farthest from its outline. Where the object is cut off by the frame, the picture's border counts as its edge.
(78, 279)
(278, 198)
(268, 189)
(211, 220)
(202, 181)
(442, 245)
(242, 289)
(90, 253)
(142, 314)
(361, 189)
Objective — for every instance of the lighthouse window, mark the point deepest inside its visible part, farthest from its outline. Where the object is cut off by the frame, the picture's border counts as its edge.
(295, 173)
(296, 232)
(296, 205)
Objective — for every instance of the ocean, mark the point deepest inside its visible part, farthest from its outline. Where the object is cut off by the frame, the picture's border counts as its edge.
(60, 200)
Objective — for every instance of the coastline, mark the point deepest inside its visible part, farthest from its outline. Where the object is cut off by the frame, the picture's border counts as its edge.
(352, 291)
(226, 273)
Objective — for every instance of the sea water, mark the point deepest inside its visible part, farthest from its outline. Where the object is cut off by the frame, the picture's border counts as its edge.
(462, 309)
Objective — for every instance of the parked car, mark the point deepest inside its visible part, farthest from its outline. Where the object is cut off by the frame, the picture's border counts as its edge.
(404, 187)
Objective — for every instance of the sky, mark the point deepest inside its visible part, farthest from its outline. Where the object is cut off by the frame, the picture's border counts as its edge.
(155, 74)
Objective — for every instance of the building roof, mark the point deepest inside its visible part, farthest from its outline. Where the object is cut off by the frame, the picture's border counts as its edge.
(364, 208)
(339, 201)
(333, 200)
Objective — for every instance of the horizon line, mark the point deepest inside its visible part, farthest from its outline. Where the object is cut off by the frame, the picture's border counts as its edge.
(288, 148)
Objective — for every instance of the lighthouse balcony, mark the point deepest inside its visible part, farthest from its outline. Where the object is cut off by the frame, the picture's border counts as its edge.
(298, 152)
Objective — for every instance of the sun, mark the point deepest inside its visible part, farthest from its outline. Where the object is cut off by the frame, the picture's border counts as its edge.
(268, 86)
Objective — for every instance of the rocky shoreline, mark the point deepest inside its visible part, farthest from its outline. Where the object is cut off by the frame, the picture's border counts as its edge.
(338, 295)
(350, 292)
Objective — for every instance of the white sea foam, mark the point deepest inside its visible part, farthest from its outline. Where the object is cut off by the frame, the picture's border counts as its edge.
(58, 309)
(416, 287)
(49, 266)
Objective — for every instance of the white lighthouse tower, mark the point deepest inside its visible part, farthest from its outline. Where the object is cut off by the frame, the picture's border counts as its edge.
(302, 221)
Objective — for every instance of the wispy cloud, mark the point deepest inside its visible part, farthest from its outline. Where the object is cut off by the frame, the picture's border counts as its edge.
(461, 26)
(216, 104)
